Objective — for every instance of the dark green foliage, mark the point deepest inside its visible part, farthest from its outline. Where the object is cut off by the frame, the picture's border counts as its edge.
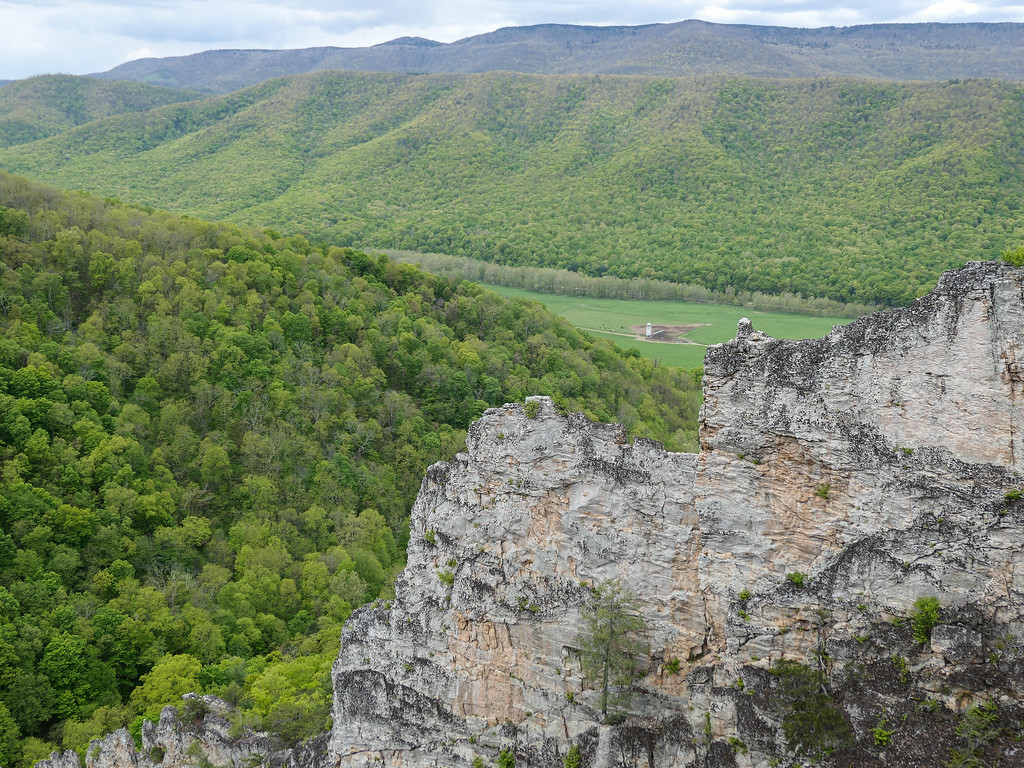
(506, 759)
(612, 646)
(210, 440)
(10, 744)
(811, 721)
(977, 729)
(925, 615)
(851, 191)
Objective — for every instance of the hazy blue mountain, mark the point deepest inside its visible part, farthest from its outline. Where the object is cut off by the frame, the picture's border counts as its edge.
(884, 51)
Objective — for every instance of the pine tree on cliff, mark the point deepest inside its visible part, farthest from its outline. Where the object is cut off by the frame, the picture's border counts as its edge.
(611, 643)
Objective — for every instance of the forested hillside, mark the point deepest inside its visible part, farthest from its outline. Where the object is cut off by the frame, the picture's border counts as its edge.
(210, 438)
(851, 191)
(46, 105)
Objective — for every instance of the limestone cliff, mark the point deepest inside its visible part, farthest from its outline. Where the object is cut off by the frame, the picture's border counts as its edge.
(839, 481)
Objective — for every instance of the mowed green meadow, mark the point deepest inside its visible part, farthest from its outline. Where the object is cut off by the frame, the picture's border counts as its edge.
(609, 318)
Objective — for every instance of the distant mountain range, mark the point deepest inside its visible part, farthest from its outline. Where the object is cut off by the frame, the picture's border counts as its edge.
(933, 52)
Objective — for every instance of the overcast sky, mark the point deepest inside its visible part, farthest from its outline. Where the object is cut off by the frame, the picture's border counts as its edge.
(83, 36)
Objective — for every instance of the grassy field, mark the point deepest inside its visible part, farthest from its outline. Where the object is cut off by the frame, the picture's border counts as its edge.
(717, 323)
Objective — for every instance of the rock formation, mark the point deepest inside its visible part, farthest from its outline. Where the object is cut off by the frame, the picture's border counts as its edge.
(784, 571)
(200, 735)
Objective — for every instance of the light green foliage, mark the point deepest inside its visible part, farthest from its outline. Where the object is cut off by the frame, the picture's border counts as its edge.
(1014, 257)
(292, 698)
(77, 734)
(612, 646)
(171, 677)
(46, 105)
(655, 299)
(478, 762)
(506, 759)
(797, 578)
(881, 734)
(531, 409)
(572, 758)
(902, 669)
(925, 614)
(34, 750)
(210, 443)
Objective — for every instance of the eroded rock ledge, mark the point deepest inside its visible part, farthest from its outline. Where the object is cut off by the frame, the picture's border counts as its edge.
(201, 735)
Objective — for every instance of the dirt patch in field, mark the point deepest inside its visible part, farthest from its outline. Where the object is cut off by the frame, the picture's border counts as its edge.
(671, 334)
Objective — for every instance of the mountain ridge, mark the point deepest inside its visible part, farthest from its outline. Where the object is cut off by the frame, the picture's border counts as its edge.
(925, 51)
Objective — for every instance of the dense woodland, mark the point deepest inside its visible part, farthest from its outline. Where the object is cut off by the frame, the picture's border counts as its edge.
(854, 191)
(210, 438)
(43, 106)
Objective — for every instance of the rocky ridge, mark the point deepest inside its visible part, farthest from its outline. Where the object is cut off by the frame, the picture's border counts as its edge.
(845, 487)
(201, 733)
(682, 49)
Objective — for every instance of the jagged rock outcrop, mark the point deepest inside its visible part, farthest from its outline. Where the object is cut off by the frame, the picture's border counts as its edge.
(839, 482)
(201, 735)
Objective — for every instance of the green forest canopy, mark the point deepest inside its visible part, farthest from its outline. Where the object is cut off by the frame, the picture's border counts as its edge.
(855, 191)
(210, 438)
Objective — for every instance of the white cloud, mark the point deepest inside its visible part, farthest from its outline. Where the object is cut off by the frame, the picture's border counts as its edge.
(947, 10)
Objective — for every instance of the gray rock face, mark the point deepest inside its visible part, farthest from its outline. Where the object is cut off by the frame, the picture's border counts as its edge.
(205, 737)
(839, 481)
